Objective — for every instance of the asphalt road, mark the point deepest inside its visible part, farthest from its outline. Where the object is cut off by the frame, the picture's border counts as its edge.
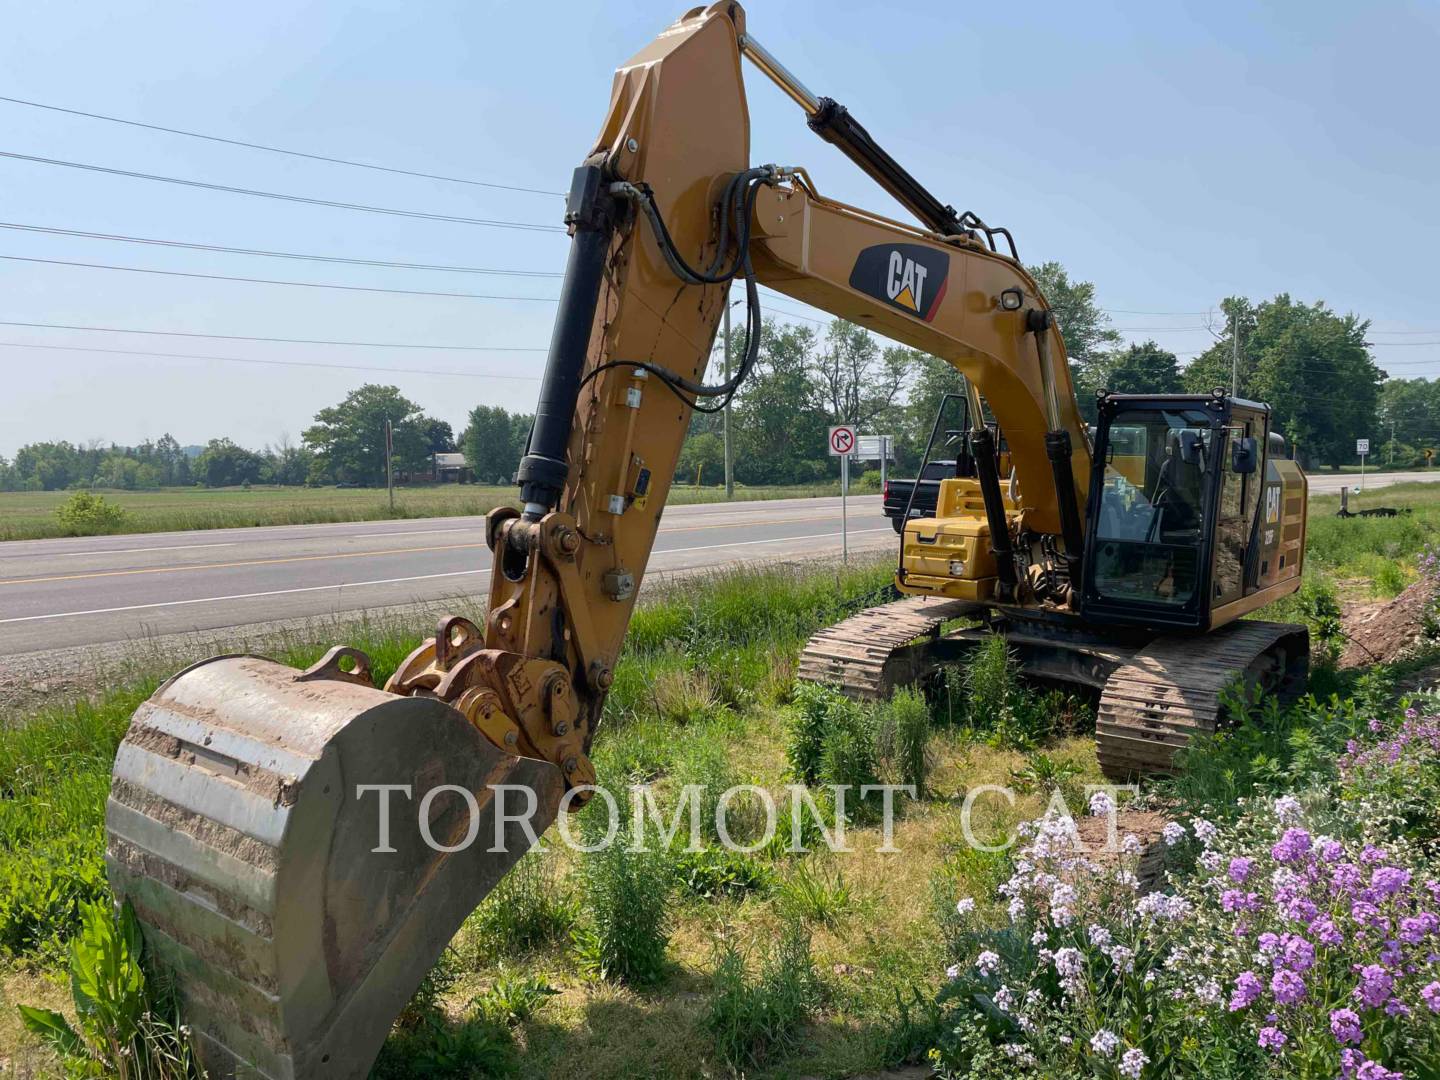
(61, 594)
(1331, 483)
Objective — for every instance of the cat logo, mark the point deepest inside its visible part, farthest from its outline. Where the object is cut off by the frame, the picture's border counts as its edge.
(1272, 504)
(908, 277)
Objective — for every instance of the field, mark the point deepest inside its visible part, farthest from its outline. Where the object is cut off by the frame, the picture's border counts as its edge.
(775, 964)
(26, 515)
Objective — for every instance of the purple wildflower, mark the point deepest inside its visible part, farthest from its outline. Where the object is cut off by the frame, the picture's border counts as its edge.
(1272, 1039)
(1299, 953)
(1247, 988)
(1287, 986)
(1375, 985)
(1431, 996)
(1240, 868)
(1345, 1026)
(1388, 880)
(1292, 847)
(1326, 932)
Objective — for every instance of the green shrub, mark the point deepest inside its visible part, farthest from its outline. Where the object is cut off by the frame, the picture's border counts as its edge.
(849, 757)
(128, 1029)
(628, 898)
(1047, 774)
(814, 894)
(869, 480)
(999, 706)
(1389, 579)
(527, 910)
(714, 872)
(989, 684)
(426, 1043)
(755, 1021)
(86, 514)
(704, 763)
(805, 728)
(904, 738)
(514, 998)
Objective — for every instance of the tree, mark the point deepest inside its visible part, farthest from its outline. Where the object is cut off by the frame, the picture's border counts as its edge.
(777, 433)
(350, 437)
(857, 382)
(931, 379)
(1086, 330)
(225, 464)
(1143, 369)
(173, 462)
(493, 442)
(439, 437)
(1224, 365)
(1310, 365)
(287, 463)
(701, 452)
(50, 466)
(1409, 415)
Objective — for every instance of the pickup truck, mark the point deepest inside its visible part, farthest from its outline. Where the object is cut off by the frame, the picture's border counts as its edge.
(927, 493)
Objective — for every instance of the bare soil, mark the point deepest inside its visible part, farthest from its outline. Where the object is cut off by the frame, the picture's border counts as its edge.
(1380, 632)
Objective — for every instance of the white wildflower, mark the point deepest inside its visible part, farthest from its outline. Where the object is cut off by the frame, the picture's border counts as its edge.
(1104, 1042)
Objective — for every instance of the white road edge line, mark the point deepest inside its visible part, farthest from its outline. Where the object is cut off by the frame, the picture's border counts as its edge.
(384, 581)
(116, 551)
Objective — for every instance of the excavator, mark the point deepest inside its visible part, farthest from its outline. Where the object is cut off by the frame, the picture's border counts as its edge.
(300, 846)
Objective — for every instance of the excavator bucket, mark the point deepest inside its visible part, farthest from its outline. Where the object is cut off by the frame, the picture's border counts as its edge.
(298, 905)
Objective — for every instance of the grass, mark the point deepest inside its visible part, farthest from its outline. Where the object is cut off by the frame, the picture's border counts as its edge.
(1375, 554)
(30, 515)
(717, 982)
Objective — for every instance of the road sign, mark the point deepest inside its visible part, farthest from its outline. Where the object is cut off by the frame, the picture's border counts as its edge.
(1429, 455)
(1362, 446)
(842, 440)
(874, 447)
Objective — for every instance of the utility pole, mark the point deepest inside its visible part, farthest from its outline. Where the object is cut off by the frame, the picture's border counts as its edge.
(389, 471)
(725, 416)
(1235, 354)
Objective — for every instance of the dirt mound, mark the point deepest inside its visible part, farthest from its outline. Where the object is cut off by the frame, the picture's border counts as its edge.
(1379, 633)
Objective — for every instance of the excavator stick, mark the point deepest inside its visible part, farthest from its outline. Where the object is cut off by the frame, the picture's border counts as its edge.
(298, 906)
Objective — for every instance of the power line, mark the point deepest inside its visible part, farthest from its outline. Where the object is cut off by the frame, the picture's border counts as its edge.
(280, 150)
(1158, 329)
(270, 363)
(1131, 311)
(281, 340)
(273, 281)
(422, 214)
(48, 230)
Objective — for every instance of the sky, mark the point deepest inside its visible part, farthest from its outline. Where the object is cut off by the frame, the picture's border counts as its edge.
(1171, 152)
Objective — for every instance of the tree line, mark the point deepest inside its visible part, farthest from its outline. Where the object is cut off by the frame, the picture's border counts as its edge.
(1312, 365)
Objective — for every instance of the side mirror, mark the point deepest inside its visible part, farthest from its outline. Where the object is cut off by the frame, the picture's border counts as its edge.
(1244, 456)
(1192, 448)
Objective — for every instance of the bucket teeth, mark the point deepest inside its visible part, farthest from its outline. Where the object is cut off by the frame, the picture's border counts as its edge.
(240, 828)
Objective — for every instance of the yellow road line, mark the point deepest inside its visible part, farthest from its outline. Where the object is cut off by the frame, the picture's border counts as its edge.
(249, 562)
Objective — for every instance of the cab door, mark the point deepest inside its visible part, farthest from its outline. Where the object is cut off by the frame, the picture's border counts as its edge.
(1241, 469)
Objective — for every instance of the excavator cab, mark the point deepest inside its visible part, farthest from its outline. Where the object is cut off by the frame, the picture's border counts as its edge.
(1172, 508)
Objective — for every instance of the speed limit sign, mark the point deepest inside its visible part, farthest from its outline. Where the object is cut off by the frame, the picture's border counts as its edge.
(842, 440)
